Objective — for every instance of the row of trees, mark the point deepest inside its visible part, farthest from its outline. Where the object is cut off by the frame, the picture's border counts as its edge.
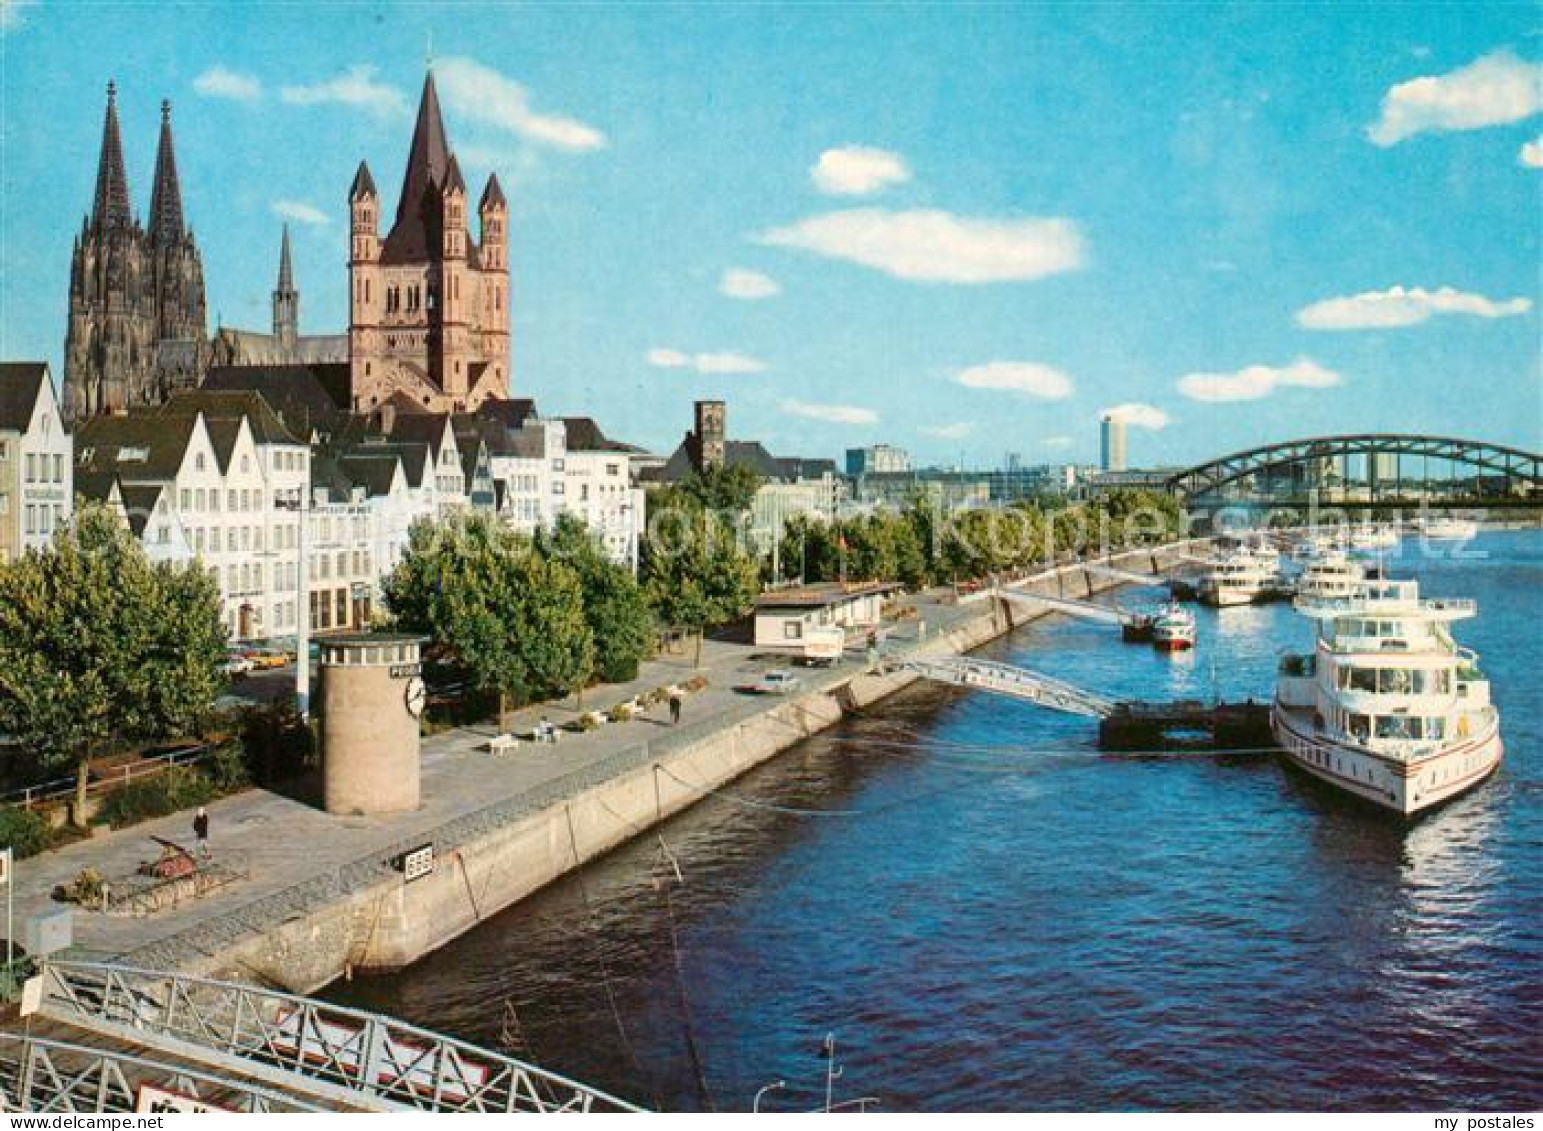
(99, 647)
(918, 545)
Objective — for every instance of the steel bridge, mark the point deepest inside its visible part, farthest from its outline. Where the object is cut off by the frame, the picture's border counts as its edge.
(255, 1049)
(1018, 683)
(1296, 467)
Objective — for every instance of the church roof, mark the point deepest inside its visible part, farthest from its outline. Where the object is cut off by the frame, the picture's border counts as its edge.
(286, 276)
(492, 195)
(747, 453)
(428, 162)
(364, 184)
(20, 384)
(305, 397)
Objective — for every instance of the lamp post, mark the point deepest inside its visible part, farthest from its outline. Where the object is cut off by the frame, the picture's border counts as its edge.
(755, 1105)
(300, 505)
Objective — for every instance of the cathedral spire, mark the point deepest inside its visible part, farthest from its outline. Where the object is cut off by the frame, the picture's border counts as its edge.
(286, 277)
(429, 156)
(166, 196)
(110, 208)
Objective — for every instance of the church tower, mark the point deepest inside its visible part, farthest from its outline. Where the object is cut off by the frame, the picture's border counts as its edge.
(286, 302)
(136, 307)
(429, 309)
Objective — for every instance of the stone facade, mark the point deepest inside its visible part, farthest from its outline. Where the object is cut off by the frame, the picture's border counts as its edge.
(429, 306)
(136, 303)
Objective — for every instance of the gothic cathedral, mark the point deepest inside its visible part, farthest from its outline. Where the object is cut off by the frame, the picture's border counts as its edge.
(429, 306)
(136, 320)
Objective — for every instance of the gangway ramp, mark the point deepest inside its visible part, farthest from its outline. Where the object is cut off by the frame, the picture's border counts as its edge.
(1019, 683)
(334, 1057)
(1125, 575)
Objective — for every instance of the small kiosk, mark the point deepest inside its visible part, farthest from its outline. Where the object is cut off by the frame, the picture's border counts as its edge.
(372, 698)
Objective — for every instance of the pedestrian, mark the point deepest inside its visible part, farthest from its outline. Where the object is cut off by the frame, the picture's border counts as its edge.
(674, 707)
(201, 831)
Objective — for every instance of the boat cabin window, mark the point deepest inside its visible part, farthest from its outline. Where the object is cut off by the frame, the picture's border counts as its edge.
(1396, 681)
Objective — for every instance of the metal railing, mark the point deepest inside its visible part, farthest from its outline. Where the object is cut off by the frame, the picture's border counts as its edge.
(38, 1075)
(105, 781)
(345, 1055)
(1020, 683)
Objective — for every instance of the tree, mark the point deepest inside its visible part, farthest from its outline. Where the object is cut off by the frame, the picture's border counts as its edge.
(696, 575)
(512, 620)
(619, 618)
(98, 645)
(727, 490)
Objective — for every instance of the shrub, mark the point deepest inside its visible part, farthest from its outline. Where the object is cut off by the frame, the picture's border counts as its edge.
(588, 721)
(695, 683)
(620, 713)
(276, 745)
(178, 788)
(226, 768)
(86, 889)
(27, 833)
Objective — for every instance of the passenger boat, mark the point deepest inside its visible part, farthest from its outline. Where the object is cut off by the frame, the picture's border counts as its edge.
(1448, 529)
(1173, 629)
(1373, 537)
(1330, 576)
(1241, 578)
(1388, 707)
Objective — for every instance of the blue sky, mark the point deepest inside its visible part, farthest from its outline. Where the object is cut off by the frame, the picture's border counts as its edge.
(984, 225)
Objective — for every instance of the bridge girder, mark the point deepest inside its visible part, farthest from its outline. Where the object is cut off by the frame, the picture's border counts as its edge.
(1210, 477)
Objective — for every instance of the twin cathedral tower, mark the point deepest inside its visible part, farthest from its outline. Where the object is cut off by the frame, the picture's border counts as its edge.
(428, 304)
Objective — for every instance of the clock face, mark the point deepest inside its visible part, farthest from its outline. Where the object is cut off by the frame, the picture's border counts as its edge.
(416, 695)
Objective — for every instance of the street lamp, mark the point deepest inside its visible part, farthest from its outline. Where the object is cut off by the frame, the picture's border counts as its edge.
(755, 1106)
(300, 505)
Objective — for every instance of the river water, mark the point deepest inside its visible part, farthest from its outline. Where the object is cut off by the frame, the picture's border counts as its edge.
(989, 914)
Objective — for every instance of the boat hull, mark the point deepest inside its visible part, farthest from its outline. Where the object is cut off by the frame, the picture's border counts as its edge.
(1406, 788)
(1173, 644)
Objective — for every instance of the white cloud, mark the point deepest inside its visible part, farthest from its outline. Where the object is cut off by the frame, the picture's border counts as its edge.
(938, 247)
(1531, 153)
(831, 413)
(1059, 443)
(1137, 415)
(749, 285)
(1256, 381)
(857, 170)
(722, 362)
(221, 82)
(301, 213)
(481, 94)
(11, 11)
(1400, 306)
(1490, 91)
(955, 431)
(1027, 377)
(356, 86)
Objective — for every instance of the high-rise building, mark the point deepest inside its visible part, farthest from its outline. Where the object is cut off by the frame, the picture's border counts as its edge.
(1112, 446)
(136, 303)
(429, 306)
(877, 459)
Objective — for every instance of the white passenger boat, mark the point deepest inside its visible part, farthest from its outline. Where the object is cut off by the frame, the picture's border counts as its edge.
(1448, 529)
(1388, 707)
(1331, 576)
(1241, 578)
(1373, 537)
(1173, 629)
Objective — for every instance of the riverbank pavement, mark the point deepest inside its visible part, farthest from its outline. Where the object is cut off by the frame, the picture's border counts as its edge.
(298, 857)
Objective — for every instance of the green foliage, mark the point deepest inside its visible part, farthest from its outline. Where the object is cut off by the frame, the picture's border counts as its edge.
(98, 645)
(619, 618)
(25, 832)
(226, 768)
(180, 787)
(512, 619)
(696, 574)
(275, 743)
(726, 491)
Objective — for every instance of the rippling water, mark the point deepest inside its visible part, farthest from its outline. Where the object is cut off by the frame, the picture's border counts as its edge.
(992, 915)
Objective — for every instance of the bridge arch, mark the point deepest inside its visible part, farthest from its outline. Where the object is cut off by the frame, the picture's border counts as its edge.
(1515, 473)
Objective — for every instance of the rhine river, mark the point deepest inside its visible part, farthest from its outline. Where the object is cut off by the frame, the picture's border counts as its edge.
(990, 914)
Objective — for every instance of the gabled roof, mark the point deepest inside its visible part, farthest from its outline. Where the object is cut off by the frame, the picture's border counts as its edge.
(746, 453)
(375, 472)
(20, 384)
(303, 396)
(415, 456)
(426, 428)
(493, 195)
(232, 405)
(138, 448)
(364, 184)
(584, 435)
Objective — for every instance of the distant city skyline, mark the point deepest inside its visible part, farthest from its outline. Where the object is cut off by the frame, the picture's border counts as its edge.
(957, 232)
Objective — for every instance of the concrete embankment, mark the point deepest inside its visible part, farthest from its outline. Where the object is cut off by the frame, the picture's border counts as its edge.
(373, 918)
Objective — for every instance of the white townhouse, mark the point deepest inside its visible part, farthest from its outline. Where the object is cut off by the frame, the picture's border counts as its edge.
(37, 474)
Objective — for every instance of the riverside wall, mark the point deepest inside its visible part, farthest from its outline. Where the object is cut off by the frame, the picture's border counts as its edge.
(376, 920)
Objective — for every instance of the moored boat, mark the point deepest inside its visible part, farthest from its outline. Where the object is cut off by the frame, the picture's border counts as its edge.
(1388, 707)
(1173, 629)
(1448, 529)
(1330, 576)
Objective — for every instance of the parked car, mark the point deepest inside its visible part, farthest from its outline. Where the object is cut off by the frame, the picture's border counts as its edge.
(778, 683)
(236, 665)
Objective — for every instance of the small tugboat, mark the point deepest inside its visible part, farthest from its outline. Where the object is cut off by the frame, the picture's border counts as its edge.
(1388, 707)
(1173, 629)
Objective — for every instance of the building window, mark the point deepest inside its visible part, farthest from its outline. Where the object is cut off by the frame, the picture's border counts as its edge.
(198, 462)
(792, 630)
